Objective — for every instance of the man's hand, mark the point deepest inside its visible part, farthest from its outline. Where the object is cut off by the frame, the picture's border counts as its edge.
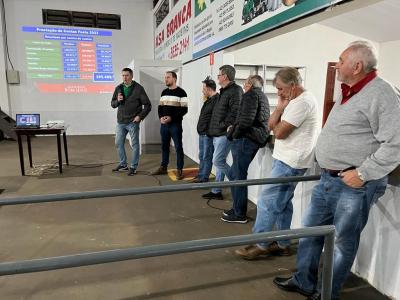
(165, 120)
(351, 179)
(120, 97)
(282, 103)
(136, 119)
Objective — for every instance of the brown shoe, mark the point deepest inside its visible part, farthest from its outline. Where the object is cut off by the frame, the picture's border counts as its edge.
(179, 174)
(252, 252)
(160, 171)
(274, 249)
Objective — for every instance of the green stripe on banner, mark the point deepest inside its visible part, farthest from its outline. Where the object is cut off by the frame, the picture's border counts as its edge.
(46, 75)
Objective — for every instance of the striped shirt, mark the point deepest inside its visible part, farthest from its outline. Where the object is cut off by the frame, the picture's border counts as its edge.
(173, 103)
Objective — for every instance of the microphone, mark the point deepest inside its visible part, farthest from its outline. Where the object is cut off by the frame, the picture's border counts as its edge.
(121, 91)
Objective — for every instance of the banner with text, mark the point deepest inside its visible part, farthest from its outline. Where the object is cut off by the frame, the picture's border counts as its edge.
(195, 28)
(173, 37)
(218, 24)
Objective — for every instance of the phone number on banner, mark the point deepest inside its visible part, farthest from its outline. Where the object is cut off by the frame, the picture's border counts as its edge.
(179, 48)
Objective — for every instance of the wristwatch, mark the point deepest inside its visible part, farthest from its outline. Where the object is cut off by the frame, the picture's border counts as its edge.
(360, 176)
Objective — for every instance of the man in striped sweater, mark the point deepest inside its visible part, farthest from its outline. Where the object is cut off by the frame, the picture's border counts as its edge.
(172, 108)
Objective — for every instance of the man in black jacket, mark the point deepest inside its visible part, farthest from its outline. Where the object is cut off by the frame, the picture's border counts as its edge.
(223, 115)
(133, 106)
(206, 147)
(248, 133)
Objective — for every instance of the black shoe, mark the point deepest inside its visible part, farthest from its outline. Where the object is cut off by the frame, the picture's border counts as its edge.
(288, 285)
(162, 170)
(198, 180)
(179, 174)
(228, 212)
(211, 195)
(132, 172)
(234, 219)
(120, 168)
(315, 296)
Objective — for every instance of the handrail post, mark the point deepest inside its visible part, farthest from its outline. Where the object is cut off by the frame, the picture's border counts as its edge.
(327, 271)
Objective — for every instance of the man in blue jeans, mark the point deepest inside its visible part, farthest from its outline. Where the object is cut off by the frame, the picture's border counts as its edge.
(206, 147)
(248, 134)
(133, 106)
(172, 108)
(294, 123)
(358, 147)
(223, 115)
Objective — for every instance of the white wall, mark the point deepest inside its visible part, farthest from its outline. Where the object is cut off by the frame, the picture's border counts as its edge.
(86, 113)
(389, 61)
(3, 81)
(313, 47)
(192, 75)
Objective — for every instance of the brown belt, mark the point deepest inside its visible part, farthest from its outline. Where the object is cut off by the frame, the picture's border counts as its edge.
(336, 173)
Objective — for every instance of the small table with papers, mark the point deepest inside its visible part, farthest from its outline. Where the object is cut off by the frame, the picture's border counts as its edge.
(28, 132)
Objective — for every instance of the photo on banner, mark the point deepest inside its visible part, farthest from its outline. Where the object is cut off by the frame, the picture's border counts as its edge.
(217, 24)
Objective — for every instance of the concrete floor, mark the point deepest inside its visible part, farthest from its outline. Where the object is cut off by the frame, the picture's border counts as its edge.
(53, 229)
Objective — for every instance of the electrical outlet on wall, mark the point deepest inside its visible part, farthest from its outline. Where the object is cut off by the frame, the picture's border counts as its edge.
(13, 77)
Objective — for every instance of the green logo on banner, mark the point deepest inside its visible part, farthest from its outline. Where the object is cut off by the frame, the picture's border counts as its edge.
(200, 5)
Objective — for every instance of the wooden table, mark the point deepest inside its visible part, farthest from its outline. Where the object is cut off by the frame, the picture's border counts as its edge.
(28, 132)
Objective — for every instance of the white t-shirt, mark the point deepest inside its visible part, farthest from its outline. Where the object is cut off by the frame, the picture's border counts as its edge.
(297, 150)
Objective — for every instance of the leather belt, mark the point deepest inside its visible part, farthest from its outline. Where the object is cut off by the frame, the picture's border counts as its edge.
(337, 173)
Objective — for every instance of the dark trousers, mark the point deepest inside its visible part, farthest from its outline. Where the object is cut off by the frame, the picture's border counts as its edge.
(174, 131)
(243, 152)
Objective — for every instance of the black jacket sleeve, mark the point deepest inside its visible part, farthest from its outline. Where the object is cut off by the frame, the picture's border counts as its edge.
(233, 102)
(246, 115)
(114, 101)
(144, 100)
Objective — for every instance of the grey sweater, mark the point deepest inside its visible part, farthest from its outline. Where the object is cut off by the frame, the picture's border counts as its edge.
(364, 132)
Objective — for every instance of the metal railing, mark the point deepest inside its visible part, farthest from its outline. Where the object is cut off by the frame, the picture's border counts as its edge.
(149, 190)
(93, 258)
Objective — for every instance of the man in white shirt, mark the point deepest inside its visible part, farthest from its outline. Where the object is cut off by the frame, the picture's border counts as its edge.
(294, 124)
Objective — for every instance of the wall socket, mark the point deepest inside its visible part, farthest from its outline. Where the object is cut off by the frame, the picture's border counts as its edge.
(13, 77)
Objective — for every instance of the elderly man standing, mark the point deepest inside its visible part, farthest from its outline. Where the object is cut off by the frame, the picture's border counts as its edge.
(223, 115)
(358, 147)
(294, 123)
(249, 133)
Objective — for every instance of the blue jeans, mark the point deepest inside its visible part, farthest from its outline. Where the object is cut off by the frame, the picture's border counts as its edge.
(206, 149)
(120, 135)
(222, 146)
(243, 152)
(274, 204)
(333, 202)
(174, 131)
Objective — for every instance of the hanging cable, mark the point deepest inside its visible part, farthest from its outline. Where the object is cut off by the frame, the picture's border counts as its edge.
(3, 11)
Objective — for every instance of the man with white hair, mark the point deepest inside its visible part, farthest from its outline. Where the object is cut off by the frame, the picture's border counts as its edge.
(358, 147)
(248, 133)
